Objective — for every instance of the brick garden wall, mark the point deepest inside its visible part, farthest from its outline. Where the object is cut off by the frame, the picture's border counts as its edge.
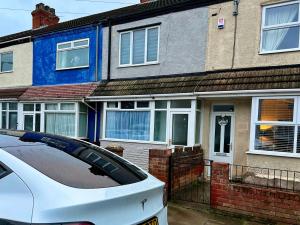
(266, 203)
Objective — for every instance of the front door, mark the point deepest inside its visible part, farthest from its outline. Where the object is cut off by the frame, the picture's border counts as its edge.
(222, 133)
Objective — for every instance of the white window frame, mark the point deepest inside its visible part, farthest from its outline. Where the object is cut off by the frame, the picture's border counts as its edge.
(31, 113)
(73, 48)
(190, 111)
(145, 50)
(7, 111)
(9, 71)
(254, 121)
(286, 25)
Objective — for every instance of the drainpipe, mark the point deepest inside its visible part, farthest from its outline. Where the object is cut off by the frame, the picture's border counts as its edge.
(109, 49)
(97, 52)
(235, 13)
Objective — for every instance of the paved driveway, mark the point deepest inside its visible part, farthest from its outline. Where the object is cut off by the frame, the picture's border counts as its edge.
(182, 216)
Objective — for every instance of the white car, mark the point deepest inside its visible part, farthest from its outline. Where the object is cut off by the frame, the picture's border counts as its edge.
(47, 179)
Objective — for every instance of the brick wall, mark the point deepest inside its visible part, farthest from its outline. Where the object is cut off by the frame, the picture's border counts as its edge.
(265, 203)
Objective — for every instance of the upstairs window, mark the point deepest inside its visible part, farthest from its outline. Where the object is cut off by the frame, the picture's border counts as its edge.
(280, 27)
(139, 47)
(6, 62)
(73, 54)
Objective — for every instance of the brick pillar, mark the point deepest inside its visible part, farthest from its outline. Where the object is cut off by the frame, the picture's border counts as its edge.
(159, 160)
(219, 182)
(116, 149)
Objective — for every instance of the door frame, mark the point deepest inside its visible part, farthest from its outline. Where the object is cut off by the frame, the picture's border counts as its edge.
(212, 133)
(190, 126)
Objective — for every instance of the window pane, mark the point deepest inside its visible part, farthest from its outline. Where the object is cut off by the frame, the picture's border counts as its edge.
(4, 125)
(180, 129)
(81, 43)
(298, 140)
(82, 125)
(112, 105)
(138, 47)
(274, 138)
(51, 107)
(276, 110)
(223, 108)
(4, 106)
(160, 104)
(28, 107)
(6, 62)
(73, 58)
(38, 107)
(66, 45)
(127, 105)
(198, 127)
(160, 126)
(143, 104)
(278, 39)
(282, 14)
(83, 108)
(13, 120)
(60, 124)
(181, 104)
(28, 122)
(13, 106)
(128, 125)
(125, 48)
(67, 106)
(38, 122)
(152, 45)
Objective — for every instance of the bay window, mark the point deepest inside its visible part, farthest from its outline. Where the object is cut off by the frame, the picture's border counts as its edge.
(9, 115)
(280, 27)
(72, 54)
(275, 125)
(140, 46)
(175, 122)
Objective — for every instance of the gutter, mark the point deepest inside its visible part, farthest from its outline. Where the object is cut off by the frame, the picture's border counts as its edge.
(13, 40)
(211, 94)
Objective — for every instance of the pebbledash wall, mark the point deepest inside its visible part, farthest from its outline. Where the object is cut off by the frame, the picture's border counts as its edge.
(182, 45)
(22, 66)
(44, 64)
(248, 37)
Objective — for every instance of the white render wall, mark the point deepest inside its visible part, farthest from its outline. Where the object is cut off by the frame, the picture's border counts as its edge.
(22, 66)
(137, 153)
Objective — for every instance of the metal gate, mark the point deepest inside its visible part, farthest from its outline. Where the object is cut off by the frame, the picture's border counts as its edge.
(190, 179)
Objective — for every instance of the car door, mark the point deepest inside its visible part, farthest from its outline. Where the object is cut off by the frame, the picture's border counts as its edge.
(15, 197)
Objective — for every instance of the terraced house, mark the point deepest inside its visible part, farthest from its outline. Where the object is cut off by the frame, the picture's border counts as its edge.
(160, 74)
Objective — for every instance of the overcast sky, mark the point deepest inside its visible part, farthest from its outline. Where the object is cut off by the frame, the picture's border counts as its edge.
(15, 15)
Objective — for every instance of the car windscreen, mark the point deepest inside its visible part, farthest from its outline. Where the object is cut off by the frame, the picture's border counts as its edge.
(74, 163)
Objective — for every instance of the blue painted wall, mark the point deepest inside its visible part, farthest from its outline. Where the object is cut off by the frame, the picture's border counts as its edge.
(44, 54)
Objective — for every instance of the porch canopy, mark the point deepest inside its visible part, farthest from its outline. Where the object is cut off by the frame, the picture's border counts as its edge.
(227, 81)
(11, 94)
(60, 92)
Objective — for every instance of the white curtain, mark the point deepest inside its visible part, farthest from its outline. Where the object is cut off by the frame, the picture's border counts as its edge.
(128, 125)
(275, 16)
(60, 124)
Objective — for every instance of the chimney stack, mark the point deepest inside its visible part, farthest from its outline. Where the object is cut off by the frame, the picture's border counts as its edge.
(145, 1)
(43, 16)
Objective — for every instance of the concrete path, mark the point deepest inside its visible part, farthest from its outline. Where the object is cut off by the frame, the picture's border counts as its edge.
(179, 215)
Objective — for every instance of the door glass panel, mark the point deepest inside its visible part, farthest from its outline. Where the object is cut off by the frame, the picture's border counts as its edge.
(180, 129)
(37, 122)
(217, 134)
(13, 118)
(227, 135)
(3, 120)
(28, 122)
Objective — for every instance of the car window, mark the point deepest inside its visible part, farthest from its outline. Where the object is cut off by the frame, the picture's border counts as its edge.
(4, 170)
(74, 163)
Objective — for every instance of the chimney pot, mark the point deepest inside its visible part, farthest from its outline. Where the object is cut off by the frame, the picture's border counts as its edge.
(43, 15)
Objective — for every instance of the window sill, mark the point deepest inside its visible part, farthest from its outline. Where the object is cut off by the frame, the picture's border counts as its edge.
(279, 51)
(7, 72)
(138, 65)
(134, 141)
(72, 68)
(274, 154)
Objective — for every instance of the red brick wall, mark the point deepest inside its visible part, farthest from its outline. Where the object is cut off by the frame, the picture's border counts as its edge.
(266, 203)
